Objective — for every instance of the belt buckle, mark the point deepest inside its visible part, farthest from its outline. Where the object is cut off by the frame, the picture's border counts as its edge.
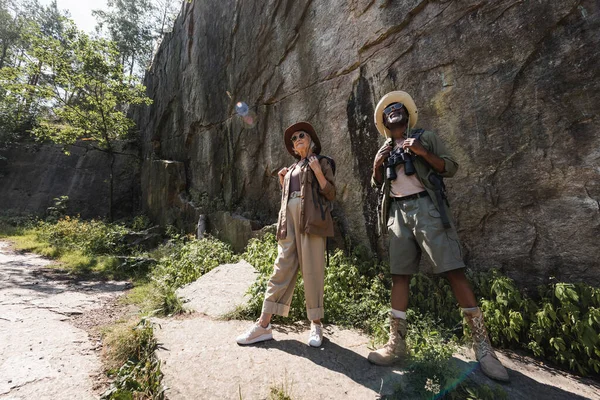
(293, 195)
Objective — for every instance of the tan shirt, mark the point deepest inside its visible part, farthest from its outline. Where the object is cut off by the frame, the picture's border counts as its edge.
(404, 185)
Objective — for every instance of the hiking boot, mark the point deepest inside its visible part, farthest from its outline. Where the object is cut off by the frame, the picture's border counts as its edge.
(395, 348)
(315, 339)
(255, 334)
(484, 353)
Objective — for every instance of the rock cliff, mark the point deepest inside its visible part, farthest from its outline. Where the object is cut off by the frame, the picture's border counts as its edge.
(512, 87)
(31, 176)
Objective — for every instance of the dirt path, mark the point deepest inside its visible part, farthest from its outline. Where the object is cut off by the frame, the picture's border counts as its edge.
(43, 354)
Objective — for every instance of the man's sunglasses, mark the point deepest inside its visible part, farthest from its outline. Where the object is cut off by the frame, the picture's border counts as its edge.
(301, 135)
(393, 107)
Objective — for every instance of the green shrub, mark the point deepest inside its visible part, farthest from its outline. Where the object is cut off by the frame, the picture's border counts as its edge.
(184, 260)
(59, 210)
(140, 222)
(432, 295)
(92, 237)
(566, 327)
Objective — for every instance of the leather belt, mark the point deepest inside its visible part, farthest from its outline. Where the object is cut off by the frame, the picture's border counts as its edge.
(293, 195)
(411, 196)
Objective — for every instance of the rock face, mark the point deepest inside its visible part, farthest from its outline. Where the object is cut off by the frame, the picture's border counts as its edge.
(512, 87)
(32, 176)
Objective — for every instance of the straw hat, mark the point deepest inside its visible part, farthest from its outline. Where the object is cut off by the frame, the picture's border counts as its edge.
(397, 96)
(301, 126)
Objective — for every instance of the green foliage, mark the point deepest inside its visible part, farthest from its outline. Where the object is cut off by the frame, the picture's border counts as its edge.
(140, 223)
(433, 371)
(281, 391)
(566, 327)
(139, 376)
(90, 237)
(58, 210)
(20, 110)
(185, 259)
(506, 310)
(129, 25)
(168, 302)
(93, 93)
(430, 356)
(433, 295)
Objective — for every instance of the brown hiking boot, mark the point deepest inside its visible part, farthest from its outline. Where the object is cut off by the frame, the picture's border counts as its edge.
(490, 365)
(395, 348)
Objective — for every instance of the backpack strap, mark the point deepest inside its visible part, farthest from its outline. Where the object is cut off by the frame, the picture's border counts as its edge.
(417, 134)
(330, 160)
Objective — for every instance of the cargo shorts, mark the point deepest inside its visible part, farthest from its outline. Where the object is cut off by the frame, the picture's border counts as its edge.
(415, 227)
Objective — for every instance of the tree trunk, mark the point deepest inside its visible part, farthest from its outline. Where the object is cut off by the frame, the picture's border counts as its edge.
(3, 56)
(132, 62)
(111, 185)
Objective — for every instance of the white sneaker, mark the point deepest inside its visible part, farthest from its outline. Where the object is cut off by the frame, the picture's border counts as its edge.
(255, 334)
(315, 339)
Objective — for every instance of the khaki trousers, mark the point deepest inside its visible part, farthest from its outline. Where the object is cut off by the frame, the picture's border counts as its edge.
(297, 251)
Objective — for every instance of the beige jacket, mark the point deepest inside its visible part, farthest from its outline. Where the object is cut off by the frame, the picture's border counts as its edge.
(315, 217)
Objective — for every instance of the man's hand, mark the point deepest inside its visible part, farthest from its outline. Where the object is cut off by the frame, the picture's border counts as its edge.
(415, 146)
(381, 155)
(281, 174)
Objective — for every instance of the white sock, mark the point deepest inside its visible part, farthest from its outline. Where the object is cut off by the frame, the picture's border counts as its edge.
(399, 314)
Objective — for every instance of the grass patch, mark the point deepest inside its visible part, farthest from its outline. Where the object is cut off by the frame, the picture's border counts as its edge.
(283, 390)
(132, 362)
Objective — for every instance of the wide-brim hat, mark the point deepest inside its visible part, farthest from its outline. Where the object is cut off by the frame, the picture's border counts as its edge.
(301, 126)
(397, 96)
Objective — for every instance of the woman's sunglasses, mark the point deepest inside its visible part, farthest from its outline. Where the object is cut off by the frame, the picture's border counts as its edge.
(301, 135)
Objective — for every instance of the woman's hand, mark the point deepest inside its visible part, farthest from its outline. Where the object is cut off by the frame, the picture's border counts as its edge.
(282, 172)
(313, 163)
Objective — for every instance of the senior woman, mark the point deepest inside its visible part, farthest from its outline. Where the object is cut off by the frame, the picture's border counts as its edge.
(304, 224)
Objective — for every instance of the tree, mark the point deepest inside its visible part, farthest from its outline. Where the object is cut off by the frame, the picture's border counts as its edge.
(165, 13)
(18, 111)
(129, 25)
(84, 86)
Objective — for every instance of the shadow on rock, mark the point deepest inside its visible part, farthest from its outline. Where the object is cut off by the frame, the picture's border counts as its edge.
(383, 380)
(520, 386)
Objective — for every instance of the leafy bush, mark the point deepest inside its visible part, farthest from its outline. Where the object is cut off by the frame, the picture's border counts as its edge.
(184, 260)
(58, 210)
(566, 327)
(433, 295)
(140, 222)
(90, 237)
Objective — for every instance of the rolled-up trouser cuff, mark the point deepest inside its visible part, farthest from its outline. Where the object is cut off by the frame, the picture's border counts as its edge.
(270, 307)
(314, 314)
